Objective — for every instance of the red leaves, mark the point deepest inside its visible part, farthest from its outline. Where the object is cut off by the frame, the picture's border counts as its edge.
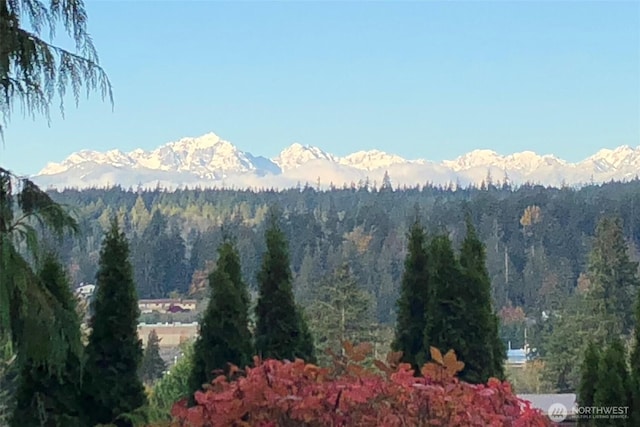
(275, 393)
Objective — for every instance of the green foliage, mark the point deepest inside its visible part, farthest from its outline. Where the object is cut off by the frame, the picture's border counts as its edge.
(612, 387)
(158, 258)
(486, 352)
(415, 303)
(172, 387)
(449, 321)
(224, 333)
(614, 279)
(599, 311)
(112, 388)
(341, 310)
(52, 397)
(30, 315)
(8, 381)
(152, 366)
(635, 369)
(319, 227)
(32, 69)
(280, 328)
(565, 341)
(589, 378)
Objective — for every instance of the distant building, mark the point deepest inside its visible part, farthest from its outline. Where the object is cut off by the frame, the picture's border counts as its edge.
(518, 356)
(166, 305)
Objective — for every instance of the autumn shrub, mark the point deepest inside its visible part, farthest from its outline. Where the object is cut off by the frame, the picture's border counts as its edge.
(282, 393)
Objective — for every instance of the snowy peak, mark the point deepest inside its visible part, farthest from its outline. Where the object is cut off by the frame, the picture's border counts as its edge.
(524, 162)
(209, 160)
(207, 156)
(371, 160)
(297, 154)
(616, 158)
(473, 159)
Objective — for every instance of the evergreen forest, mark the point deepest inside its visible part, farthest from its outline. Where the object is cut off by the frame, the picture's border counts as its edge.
(541, 250)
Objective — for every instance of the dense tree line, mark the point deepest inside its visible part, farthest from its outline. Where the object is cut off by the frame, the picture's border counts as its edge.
(537, 239)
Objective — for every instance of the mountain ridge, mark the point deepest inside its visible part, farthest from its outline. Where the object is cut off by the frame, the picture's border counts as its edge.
(209, 160)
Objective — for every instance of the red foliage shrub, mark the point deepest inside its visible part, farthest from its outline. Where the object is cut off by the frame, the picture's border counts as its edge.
(276, 393)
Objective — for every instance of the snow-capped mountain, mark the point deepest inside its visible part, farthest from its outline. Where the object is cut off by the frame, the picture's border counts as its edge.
(297, 154)
(372, 160)
(210, 161)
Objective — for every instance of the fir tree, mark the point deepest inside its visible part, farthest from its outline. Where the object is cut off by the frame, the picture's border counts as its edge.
(448, 321)
(152, 366)
(635, 370)
(612, 388)
(113, 392)
(486, 350)
(588, 378)
(415, 297)
(614, 279)
(281, 331)
(340, 311)
(224, 332)
(47, 397)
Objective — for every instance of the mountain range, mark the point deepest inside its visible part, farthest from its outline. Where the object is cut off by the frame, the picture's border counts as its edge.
(209, 161)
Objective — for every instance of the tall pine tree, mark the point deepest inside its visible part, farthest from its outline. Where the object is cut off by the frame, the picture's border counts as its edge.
(635, 369)
(224, 332)
(341, 311)
(281, 331)
(614, 279)
(612, 388)
(415, 297)
(448, 322)
(113, 392)
(588, 379)
(486, 350)
(47, 397)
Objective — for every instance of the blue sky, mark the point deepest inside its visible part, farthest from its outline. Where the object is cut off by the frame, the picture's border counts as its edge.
(420, 79)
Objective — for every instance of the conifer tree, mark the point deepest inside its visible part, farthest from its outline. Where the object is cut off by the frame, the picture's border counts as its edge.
(50, 397)
(112, 390)
(415, 297)
(612, 388)
(635, 370)
(448, 322)
(281, 331)
(306, 345)
(588, 378)
(614, 279)
(486, 350)
(224, 336)
(341, 311)
(152, 366)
